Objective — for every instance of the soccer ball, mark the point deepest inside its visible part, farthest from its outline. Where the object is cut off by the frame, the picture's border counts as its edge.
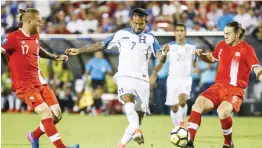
(179, 136)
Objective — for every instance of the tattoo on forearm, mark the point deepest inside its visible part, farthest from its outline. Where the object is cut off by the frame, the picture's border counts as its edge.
(92, 48)
(45, 54)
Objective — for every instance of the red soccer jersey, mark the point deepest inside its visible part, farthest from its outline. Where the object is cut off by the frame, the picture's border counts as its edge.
(235, 63)
(22, 52)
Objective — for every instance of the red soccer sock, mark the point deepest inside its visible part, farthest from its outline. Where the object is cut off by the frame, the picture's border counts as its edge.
(38, 133)
(52, 133)
(194, 123)
(227, 130)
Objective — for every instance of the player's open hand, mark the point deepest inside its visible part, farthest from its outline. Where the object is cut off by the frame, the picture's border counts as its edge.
(72, 51)
(165, 49)
(199, 52)
(61, 57)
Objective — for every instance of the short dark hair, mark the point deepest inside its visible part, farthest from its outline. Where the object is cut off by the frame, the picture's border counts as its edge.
(237, 27)
(141, 12)
(180, 25)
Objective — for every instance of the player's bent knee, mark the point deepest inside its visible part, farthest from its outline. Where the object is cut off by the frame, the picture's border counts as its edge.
(224, 110)
(202, 104)
(174, 108)
(182, 99)
(128, 98)
(43, 111)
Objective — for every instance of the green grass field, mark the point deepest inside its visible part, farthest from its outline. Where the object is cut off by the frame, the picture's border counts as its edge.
(106, 131)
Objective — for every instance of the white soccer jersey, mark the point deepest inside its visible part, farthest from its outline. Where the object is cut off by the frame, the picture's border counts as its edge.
(181, 59)
(134, 52)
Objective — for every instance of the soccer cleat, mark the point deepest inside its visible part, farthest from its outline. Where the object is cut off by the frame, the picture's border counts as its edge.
(121, 146)
(138, 137)
(190, 144)
(34, 142)
(75, 146)
(231, 146)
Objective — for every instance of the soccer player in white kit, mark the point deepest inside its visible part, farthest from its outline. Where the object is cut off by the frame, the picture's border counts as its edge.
(181, 56)
(135, 48)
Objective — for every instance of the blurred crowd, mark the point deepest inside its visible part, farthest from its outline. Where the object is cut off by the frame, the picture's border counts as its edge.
(95, 93)
(86, 17)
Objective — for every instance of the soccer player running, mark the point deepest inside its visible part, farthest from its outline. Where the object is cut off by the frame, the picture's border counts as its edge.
(236, 60)
(23, 50)
(135, 48)
(181, 57)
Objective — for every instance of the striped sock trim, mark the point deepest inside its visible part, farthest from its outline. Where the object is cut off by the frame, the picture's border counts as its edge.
(55, 137)
(193, 125)
(227, 131)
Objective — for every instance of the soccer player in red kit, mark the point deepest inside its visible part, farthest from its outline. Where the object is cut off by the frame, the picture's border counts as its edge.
(236, 61)
(23, 50)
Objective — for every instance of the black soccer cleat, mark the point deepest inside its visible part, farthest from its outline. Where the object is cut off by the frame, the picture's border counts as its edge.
(190, 144)
(231, 146)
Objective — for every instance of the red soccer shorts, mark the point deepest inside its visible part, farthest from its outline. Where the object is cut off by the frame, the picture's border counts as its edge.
(33, 96)
(219, 92)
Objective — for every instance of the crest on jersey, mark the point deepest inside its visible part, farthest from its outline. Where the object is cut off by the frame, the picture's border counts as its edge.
(31, 97)
(36, 40)
(142, 39)
(237, 54)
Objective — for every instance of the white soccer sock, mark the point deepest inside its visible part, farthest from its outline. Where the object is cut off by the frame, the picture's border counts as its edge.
(128, 135)
(17, 103)
(176, 117)
(11, 101)
(184, 112)
(3, 100)
(132, 115)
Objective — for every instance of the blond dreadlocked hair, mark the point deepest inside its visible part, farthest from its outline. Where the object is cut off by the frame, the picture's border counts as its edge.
(22, 12)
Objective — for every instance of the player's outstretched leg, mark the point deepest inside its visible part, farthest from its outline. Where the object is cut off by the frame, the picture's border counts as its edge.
(183, 107)
(127, 137)
(224, 113)
(45, 114)
(33, 137)
(201, 105)
(130, 134)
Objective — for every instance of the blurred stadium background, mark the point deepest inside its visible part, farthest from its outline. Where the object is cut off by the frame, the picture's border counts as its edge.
(75, 24)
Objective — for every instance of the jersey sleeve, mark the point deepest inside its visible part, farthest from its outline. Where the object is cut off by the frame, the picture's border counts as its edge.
(251, 58)
(8, 43)
(112, 41)
(215, 52)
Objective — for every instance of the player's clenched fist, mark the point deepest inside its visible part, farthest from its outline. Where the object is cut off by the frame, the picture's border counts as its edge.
(61, 57)
(72, 51)
(199, 52)
(165, 48)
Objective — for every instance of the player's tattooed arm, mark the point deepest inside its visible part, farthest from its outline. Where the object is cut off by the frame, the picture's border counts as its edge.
(98, 46)
(258, 71)
(195, 65)
(206, 57)
(161, 60)
(47, 55)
